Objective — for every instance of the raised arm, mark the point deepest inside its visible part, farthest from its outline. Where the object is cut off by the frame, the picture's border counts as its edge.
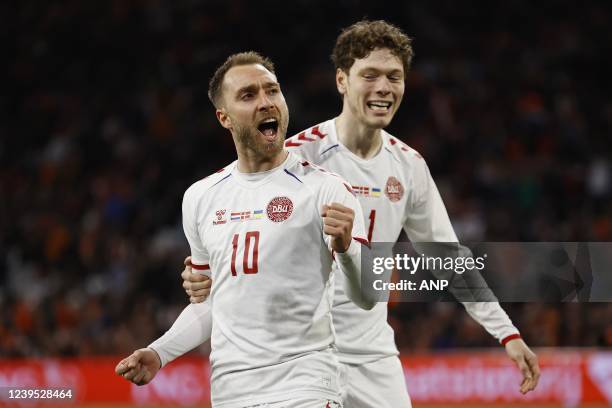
(345, 237)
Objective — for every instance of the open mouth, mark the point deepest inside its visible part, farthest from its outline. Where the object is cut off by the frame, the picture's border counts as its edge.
(268, 127)
(380, 106)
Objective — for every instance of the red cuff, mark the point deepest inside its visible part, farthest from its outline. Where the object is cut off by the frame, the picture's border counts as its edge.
(200, 267)
(506, 339)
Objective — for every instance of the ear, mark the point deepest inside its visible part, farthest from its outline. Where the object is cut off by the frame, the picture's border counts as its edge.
(223, 118)
(341, 81)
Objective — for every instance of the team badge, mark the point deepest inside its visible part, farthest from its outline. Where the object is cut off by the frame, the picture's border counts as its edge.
(279, 209)
(394, 189)
(219, 217)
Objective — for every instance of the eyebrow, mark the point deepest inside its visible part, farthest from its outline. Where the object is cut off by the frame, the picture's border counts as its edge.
(394, 71)
(253, 88)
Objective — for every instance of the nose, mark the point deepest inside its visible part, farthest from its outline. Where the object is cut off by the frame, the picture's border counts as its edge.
(383, 87)
(265, 103)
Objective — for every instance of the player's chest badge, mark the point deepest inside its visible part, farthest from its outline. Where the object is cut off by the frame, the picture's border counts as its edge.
(279, 209)
(394, 189)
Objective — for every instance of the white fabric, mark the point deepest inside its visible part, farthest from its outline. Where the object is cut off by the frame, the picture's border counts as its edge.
(300, 403)
(349, 265)
(407, 198)
(189, 330)
(272, 335)
(379, 384)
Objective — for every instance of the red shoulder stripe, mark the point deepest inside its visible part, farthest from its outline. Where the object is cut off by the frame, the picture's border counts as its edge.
(404, 147)
(315, 131)
(302, 136)
(291, 143)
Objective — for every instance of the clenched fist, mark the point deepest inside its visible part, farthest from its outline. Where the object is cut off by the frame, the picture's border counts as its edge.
(338, 224)
(140, 367)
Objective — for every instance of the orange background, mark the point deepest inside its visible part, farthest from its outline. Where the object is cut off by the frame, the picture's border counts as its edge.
(569, 378)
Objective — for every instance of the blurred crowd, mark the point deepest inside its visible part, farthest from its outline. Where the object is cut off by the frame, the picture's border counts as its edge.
(104, 122)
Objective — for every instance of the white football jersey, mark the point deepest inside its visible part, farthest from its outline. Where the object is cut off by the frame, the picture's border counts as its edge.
(261, 236)
(395, 190)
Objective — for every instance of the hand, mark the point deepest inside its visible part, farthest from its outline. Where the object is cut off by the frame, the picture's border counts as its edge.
(196, 285)
(338, 224)
(140, 367)
(526, 361)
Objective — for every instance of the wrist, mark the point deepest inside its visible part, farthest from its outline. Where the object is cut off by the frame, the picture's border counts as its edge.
(350, 248)
(346, 248)
(156, 356)
(509, 338)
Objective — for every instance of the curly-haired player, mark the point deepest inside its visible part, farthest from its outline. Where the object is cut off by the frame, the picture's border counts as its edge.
(396, 191)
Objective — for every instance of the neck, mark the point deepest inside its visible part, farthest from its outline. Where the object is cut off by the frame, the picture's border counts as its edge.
(361, 140)
(251, 162)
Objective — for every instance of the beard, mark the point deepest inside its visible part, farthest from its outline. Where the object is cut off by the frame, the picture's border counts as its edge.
(250, 137)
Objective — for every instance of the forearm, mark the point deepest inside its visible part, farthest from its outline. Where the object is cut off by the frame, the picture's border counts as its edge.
(493, 318)
(470, 288)
(349, 264)
(191, 328)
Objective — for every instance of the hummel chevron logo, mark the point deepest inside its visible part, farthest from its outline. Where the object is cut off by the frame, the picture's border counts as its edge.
(297, 141)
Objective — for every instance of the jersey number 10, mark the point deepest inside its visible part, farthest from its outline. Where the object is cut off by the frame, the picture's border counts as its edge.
(250, 236)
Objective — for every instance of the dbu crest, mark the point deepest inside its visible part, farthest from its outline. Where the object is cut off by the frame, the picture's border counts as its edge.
(279, 209)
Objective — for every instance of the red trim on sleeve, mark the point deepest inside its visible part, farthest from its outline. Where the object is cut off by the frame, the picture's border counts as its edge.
(200, 267)
(362, 241)
(506, 339)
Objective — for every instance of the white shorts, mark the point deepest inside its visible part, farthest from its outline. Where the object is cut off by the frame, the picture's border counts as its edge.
(300, 403)
(379, 384)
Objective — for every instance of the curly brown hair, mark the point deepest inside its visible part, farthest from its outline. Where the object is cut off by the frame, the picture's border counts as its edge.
(241, 58)
(363, 37)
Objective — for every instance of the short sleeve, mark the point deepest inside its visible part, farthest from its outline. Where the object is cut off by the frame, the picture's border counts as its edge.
(199, 254)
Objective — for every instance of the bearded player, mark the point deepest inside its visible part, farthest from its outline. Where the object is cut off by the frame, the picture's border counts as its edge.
(396, 191)
(249, 226)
